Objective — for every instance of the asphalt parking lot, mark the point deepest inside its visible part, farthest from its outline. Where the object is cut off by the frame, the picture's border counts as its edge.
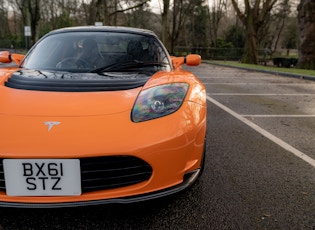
(259, 171)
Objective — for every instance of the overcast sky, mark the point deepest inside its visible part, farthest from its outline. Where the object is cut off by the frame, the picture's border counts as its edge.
(156, 5)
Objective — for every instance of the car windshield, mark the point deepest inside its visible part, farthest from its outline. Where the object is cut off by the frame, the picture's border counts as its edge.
(98, 52)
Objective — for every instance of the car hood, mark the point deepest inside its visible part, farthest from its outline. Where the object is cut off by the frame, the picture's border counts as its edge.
(37, 93)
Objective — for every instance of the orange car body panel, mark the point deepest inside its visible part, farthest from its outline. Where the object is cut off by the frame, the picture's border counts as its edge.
(94, 124)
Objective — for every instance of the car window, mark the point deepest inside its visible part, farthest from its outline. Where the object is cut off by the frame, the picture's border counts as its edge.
(85, 51)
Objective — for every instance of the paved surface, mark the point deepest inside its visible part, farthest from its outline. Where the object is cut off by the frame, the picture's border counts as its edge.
(279, 73)
(257, 175)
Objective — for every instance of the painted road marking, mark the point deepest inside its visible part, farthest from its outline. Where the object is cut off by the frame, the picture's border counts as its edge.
(262, 131)
(261, 94)
(277, 115)
(253, 83)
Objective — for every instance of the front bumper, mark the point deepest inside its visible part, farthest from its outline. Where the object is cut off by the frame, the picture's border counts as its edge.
(189, 179)
(172, 146)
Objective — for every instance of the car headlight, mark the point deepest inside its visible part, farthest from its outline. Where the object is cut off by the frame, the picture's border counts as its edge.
(159, 101)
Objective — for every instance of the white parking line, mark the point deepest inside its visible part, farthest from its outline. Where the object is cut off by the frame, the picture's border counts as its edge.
(253, 83)
(268, 135)
(278, 115)
(261, 94)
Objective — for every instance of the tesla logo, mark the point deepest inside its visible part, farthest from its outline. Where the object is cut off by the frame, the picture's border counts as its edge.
(51, 124)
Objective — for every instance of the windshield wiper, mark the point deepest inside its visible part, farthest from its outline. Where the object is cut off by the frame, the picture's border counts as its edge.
(123, 66)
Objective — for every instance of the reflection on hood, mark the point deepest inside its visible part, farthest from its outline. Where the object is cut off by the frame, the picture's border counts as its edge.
(39, 74)
(75, 82)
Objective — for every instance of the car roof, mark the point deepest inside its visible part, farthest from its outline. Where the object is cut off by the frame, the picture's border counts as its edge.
(120, 29)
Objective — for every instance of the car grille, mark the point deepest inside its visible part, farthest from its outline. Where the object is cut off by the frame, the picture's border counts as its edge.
(100, 173)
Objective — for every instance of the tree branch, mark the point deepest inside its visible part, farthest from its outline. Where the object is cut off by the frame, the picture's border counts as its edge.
(240, 15)
(129, 8)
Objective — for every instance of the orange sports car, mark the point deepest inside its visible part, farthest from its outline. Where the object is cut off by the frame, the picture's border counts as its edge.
(96, 115)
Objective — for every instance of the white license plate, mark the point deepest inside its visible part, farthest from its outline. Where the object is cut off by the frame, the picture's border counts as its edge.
(42, 177)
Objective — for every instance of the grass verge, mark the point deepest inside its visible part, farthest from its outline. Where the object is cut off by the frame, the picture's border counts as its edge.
(300, 72)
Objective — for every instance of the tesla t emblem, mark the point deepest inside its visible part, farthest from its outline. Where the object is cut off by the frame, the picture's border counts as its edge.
(51, 124)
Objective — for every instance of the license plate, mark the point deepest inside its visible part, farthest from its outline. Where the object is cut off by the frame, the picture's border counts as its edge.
(42, 177)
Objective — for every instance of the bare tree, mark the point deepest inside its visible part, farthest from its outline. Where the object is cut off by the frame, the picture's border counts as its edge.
(270, 33)
(30, 11)
(217, 12)
(59, 13)
(165, 23)
(306, 21)
(281, 17)
(136, 13)
(181, 10)
(4, 29)
(252, 17)
(107, 11)
(172, 27)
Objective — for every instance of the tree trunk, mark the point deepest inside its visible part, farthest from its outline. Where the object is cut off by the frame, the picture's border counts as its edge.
(250, 51)
(252, 17)
(306, 19)
(165, 25)
(34, 10)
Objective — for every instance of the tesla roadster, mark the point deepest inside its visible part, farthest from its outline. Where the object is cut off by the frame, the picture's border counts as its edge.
(96, 115)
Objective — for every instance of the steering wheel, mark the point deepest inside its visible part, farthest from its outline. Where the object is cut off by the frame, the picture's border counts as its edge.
(73, 63)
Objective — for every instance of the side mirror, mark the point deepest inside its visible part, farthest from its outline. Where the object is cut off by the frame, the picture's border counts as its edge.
(193, 60)
(6, 57)
(190, 60)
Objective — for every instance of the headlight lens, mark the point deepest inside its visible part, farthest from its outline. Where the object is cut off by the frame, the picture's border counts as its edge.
(159, 101)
